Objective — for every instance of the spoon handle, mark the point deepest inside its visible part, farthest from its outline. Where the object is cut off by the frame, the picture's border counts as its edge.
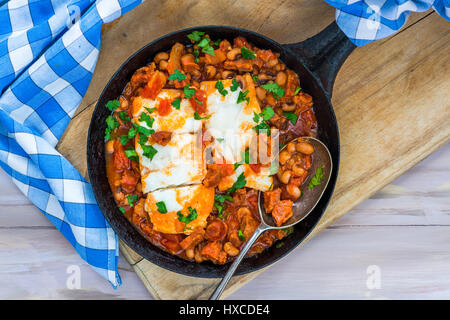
(222, 285)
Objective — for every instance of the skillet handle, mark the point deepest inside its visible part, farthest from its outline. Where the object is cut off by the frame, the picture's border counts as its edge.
(324, 54)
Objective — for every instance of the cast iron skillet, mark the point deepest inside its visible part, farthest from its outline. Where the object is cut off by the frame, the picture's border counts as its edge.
(316, 60)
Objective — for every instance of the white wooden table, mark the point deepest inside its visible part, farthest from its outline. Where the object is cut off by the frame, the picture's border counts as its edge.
(400, 236)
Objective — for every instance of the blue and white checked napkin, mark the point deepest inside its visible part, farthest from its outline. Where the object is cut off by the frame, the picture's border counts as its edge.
(364, 21)
(48, 52)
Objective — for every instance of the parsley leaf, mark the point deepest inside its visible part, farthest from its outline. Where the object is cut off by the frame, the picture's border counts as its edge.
(247, 53)
(124, 116)
(196, 55)
(243, 97)
(189, 218)
(206, 46)
(177, 75)
(279, 244)
(234, 85)
(277, 91)
(292, 117)
(144, 130)
(240, 183)
(150, 110)
(161, 207)
(132, 154)
(188, 92)
(219, 87)
(241, 235)
(147, 119)
(149, 151)
(176, 103)
(267, 113)
(122, 209)
(124, 139)
(195, 35)
(255, 78)
(132, 199)
(297, 91)
(112, 105)
(112, 124)
(317, 179)
(198, 117)
(222, 198)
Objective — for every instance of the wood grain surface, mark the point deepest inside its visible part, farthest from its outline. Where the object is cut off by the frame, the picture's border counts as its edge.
(392, 100)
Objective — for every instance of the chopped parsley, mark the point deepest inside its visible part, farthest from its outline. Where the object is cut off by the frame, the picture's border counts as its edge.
(189, 218)
(289, 230)
(279, 244)
(122, 209)
(143, 130)
(188, 92)
(132, 154)
(240, 183)
(147, 119)
(177, 75)
(112, 105)
(206, 46)
(297, 90)
(132, 199)
(247, 53)
(161, 207)
(149, 151)
(255, 78)
(198, 117)
(243, 97)
(219, 87)
(265, 115)
(150, 110)
(176, 103)
(292, 117)
(241, 235)
(317, 179)
(124, 139)
(196, 36)
(277, 91)
(111, 123)
(222, 198)
(196, 55)
(217, 42)
(234, 85)
(124, 116)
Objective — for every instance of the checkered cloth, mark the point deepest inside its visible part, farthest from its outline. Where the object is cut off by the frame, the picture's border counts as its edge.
(48, 52)
(364, 21)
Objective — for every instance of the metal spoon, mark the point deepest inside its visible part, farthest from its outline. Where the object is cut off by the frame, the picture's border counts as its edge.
(301, 208)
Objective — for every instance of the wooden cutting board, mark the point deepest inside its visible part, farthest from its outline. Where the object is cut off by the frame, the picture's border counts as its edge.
(392, 100)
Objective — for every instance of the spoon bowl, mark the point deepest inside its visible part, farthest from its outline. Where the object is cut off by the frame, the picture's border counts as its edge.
(321, 158)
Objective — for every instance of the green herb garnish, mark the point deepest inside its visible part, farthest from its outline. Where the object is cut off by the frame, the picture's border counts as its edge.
(196, 55)
(240, 183)
(132, 199)
(206, 46)
(176, 103)
(243, 97)
(189, 218)
(219, 87)
(161, 207)
(292, 117)
(195, 36)
(124, 116)
(247, 53)
(132, 154)
(111, 123)
(297, 90)
(124, 139)
(177, 75)
(147, 119)
(122, 209)
(188, 92)
(277, 91)
(112, 105)
(234, 85)
(241, 235)
(198, 117)
(317, 179)
(149, 151)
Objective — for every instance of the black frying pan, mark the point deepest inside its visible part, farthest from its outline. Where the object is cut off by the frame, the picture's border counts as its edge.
(316, 60)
